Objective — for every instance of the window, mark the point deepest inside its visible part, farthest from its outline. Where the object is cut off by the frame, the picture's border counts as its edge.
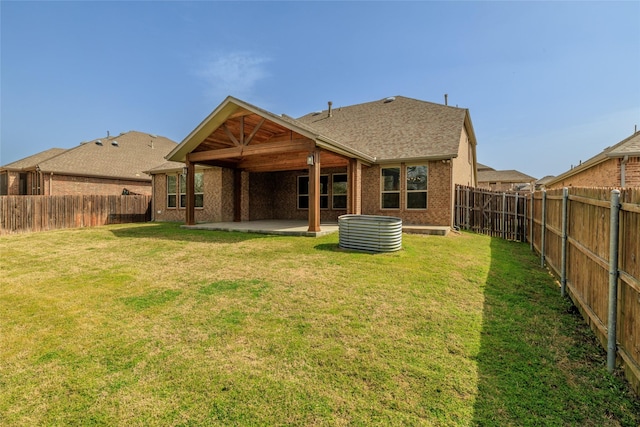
(417, 187)
(390, 184)
(339, 191)
(303, 192)
(4, 181)
(180, 181)
(171, 191)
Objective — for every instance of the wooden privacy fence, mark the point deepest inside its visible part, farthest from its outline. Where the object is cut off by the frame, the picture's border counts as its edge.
(22, 214)
(492, 213)
(590, 238)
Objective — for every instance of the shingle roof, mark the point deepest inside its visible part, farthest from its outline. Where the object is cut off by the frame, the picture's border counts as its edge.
(125, 156)
(31, 162)
(484, 167)
(395, 129)
(627, 147)
(503, 176)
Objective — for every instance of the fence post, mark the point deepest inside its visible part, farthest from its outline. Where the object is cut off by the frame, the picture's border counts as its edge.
(467, 210)
(503, 226)
(563, 274)
(531, 222)
(544, 226)
(516, 222)
(613, 280)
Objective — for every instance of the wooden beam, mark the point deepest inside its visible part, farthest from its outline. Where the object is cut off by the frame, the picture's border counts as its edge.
(242, 130)
(255, 130)
(314, 193)
(253, 150)
(278, 147)
(230, 135)
(222, 153)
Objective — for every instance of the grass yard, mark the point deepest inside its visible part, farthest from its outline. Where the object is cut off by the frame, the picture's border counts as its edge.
(144, 325)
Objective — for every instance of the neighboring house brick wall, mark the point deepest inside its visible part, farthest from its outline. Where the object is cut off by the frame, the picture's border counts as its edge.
(632, 172)
(13, 183)
(605, 174)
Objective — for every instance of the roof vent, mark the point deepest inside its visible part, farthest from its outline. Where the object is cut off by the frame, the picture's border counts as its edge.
(99, 142)
(114, 143)
(389, 99)
(316, 113)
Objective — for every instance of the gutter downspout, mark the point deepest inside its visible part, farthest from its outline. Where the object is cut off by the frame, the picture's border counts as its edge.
(623, 170)
(51, 184)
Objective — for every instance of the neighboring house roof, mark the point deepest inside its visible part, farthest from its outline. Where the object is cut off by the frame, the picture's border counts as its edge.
(504, 176)
(545, 180)
(482, 167)
(391, 129)
(395, 128)
(627, 147)
(30, 163)
(125, 156)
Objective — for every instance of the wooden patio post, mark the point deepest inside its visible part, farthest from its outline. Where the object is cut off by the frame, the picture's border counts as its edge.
(354, 192)
(191, 205)
(314, 193)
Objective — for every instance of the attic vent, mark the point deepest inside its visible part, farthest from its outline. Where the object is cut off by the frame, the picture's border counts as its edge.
(389, 99)
(99, 142)
(316, 113)
(114, 143)
(153, 135)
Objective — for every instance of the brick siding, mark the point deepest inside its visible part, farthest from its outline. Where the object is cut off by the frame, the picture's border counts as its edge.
(605, 174)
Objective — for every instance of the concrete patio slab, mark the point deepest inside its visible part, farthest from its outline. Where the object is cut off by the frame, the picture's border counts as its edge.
(277, 227)
(299, 228)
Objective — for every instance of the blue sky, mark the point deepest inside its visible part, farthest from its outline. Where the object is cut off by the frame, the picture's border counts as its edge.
(547, 83)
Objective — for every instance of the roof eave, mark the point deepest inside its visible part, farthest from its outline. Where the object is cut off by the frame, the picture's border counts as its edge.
(417, 159)
(336, 147)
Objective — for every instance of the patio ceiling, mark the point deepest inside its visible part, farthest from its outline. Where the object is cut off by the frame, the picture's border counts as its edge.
(251, 142)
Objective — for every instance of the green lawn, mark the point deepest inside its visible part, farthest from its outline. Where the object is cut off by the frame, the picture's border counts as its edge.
(154, 325)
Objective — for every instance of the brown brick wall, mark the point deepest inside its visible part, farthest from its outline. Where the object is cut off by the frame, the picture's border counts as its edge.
(274, 195)
(632, 172)
(439, 197)
(605, 174)
(212, 211)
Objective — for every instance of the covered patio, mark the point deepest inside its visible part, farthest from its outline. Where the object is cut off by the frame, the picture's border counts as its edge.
(245, 139)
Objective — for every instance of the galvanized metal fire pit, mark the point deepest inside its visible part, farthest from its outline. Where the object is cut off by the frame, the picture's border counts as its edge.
(371, 233)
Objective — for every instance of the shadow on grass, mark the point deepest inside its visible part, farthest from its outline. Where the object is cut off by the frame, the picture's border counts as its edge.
(539, 363)
(173, 231)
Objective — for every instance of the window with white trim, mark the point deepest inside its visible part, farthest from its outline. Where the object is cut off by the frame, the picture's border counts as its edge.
(179, 182)
(416, 187)
(171, 191)
(390, 187)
